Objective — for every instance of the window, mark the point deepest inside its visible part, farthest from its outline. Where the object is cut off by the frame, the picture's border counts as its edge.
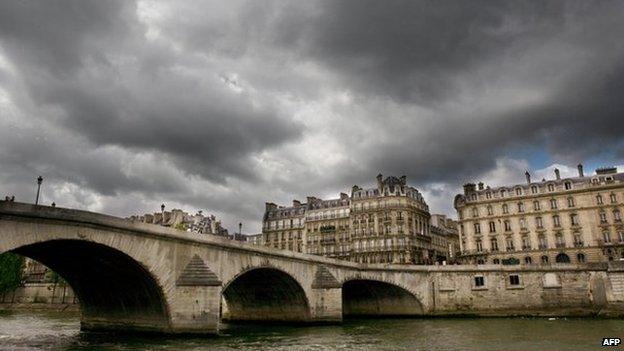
(567, 185)
(533, 189)
(528, 260)
(509, 244)
(523, 224)
(507, 225)
(562, 258)
(502, 193)
(551, 187)
(580, 257)
(578, 240)
(536, 205)
(505, 209)
(514, 279)
(556, 221)
(543, 243)
(603, 217)
(489, 210)
(520, 207)
(477, 228)
(553, 204)
(492, 227)
(574, 219)
(479, 281)
(599, 199)
(475, 212)
(539, 223)
(617, 216)
(494, 244)
(496, 261)
(526, 243)
(518, 191)
(613, 198)
(559, 240)
(570, 202)
(488, 195)
(606, 236)
(479, 246)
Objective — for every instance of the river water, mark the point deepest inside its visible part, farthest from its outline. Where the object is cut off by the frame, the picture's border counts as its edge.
(47, 331)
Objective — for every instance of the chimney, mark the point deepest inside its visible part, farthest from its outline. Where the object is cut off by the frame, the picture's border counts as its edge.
(468, 188)
(580, 170)
(269, 206)
(343, 196)
(403, 180)
(557, 175)
(481, 185)
(528, 177)
(296, 203)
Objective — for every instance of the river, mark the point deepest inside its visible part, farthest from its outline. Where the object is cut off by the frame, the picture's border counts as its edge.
(60, 332)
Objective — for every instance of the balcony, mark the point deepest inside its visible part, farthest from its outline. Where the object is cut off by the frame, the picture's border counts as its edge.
(578, 244)
(511, 248)
(526, 248)
(560, 245)
(542, 247)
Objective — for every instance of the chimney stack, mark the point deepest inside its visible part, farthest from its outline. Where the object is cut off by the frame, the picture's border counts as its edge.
(557, 175)
(296, 203)
(480, 185)
(580, 170)
(528, 177)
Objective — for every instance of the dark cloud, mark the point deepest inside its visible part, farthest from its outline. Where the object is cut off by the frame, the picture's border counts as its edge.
(222, 106)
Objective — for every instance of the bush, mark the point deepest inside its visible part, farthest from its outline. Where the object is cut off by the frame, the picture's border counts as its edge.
(11, 271)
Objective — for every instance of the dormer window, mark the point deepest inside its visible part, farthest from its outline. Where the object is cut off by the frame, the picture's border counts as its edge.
(518, 191)
(568, 185)
(551, 187)
(502, 193)
(474, 197)
(533, 189)
(488, 195)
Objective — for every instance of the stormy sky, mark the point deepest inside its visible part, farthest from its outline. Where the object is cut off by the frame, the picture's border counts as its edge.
(223, 105)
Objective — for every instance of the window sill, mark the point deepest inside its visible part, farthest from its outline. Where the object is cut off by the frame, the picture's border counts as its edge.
(479, 288)
(552, 286)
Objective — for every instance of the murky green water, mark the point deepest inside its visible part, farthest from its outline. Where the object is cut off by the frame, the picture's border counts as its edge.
(46, 331)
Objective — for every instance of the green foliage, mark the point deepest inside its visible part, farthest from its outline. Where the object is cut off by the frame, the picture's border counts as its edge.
(11, 271)
(181, 226)
(55, 278)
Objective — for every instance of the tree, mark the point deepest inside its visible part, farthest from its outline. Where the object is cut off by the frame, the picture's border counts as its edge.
(11, 271)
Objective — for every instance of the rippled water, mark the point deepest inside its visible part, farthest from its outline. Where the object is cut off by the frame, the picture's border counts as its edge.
(46, 331)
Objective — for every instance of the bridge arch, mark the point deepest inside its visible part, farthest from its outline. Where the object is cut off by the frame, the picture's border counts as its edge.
(116, 292)
(373, 297)
(266, 294)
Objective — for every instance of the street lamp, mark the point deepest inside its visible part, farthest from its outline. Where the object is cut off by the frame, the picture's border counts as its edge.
(39, 181)
(240, 229)
(162, 208)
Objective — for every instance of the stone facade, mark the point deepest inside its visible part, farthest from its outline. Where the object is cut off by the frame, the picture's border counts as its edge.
(388, 223)
(178, 219)
(559, 220)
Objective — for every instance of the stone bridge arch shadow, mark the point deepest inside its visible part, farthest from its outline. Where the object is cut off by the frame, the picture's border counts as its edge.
(365, 297)
(265, 294)
(115, 291)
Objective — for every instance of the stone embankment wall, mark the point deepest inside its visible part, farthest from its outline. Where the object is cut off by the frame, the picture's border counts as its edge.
(529, 291)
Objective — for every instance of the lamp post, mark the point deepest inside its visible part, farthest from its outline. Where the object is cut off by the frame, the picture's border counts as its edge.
(39, 181)
(240, 229)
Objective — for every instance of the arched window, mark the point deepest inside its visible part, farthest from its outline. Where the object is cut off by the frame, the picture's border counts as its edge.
(492, 227)
(544, 259)
(534, 189)
(562, 258)
(551, 187)
(518, 191)
(580, 257)
(502, 193)
(528, 260)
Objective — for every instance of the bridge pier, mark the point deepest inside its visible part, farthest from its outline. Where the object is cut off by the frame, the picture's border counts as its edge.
(326, 297)
(194, 305)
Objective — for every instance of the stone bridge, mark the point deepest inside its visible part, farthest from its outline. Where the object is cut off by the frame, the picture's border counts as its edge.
(142, 277)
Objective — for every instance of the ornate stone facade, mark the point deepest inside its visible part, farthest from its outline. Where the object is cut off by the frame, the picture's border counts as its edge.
(388, 223)
(552, 221)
